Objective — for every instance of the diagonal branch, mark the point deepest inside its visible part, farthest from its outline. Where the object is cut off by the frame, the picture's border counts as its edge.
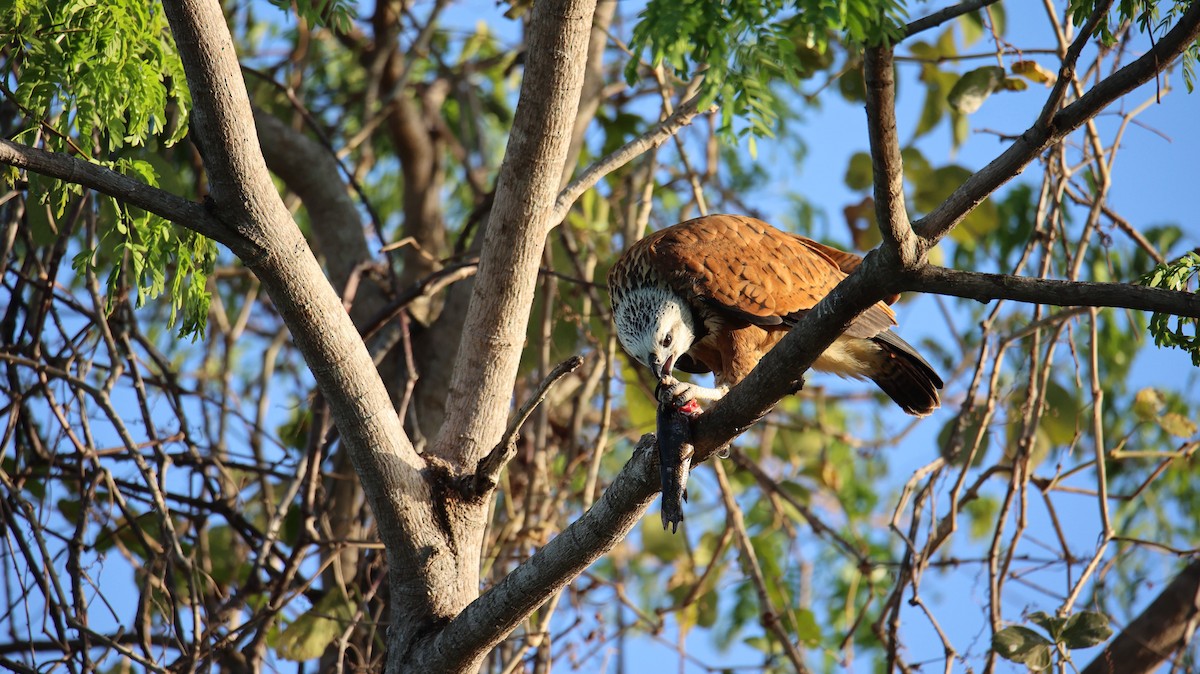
(491, 617)
(187, 214)
(655, 136)
(487, 473)
(938, 222)
(943, 15)
(244, 197)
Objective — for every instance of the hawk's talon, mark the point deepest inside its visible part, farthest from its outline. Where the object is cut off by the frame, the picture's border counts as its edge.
(680, 394)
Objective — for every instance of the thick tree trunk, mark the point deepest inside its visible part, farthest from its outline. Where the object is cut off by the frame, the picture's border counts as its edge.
(1163, 628)
(426, 584)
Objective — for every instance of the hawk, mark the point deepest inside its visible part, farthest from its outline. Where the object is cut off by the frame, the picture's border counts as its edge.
(714, 294)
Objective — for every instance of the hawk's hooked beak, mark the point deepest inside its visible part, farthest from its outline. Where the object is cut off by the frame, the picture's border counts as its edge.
(661, 370)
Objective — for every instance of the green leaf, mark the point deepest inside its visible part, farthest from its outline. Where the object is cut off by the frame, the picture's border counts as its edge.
(916, 166)
(1178, 425)
(982, 512)
(1176, 331)
(307, 637)
(973, 88)
(1052, 624)
(659, 542)
(1147, 403)
(933, 188)
(1061, 416)
(808, 631)
(970, 431)
(1021, 644)
(971, 25)
(640, 407)
(860, 172)
(1086, 629)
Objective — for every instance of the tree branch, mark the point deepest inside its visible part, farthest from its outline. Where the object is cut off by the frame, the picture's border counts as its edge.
(486, 365)
(1066, 71)
(890, 211)
(187, 214)
(987, 287)
(491, 617)
(311, 170)
(425, 579)
(487, 473)
(497, 612)
(1166, 625)
(655, 136)
(938, 222)
(943, 15)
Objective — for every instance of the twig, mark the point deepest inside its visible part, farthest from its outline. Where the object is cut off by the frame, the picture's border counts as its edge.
(750, 566)
(943, 15)
(656, 136)
(487, 472)
(986, 287)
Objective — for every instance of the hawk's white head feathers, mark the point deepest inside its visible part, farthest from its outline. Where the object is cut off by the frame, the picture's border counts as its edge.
(655, 327)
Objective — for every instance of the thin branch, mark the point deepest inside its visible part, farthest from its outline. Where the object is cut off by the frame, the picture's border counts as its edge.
(614, 160)
(751, 567)
(426, 287)
(987, 287)
(1000, 170)
(1066, 71)
(187, 214)
(943, 15)
(488, 471)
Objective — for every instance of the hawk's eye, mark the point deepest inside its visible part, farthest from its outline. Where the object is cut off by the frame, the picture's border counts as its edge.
(667, 340)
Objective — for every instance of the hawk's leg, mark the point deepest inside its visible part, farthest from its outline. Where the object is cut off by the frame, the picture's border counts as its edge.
(674, 392)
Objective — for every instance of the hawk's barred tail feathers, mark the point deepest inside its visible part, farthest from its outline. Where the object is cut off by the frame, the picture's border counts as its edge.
(905, 376)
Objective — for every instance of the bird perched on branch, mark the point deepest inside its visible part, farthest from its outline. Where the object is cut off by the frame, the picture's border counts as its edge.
(714, 294)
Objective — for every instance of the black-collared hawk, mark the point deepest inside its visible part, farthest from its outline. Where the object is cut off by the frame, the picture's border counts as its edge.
(714, 294)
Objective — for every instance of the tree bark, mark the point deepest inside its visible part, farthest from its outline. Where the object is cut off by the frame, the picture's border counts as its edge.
(425, 580)
(1163, 628)
(486, 366)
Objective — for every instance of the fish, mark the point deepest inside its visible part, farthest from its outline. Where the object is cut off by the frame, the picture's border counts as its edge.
(675, 450)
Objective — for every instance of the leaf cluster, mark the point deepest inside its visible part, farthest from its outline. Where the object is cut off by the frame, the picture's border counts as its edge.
(107, 74)
(1029, 647)
(1176, 331)
(103, 79)
(742, 46)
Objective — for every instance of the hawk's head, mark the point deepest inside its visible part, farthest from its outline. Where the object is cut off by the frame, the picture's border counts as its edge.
(655, 326)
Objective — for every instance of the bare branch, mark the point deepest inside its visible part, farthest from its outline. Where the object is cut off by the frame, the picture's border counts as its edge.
(890, 211)
(750, 566)
(1000, 170)
(987, 287)
(185, 213)
(488, 471)
(654, 137)
(943, 15)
